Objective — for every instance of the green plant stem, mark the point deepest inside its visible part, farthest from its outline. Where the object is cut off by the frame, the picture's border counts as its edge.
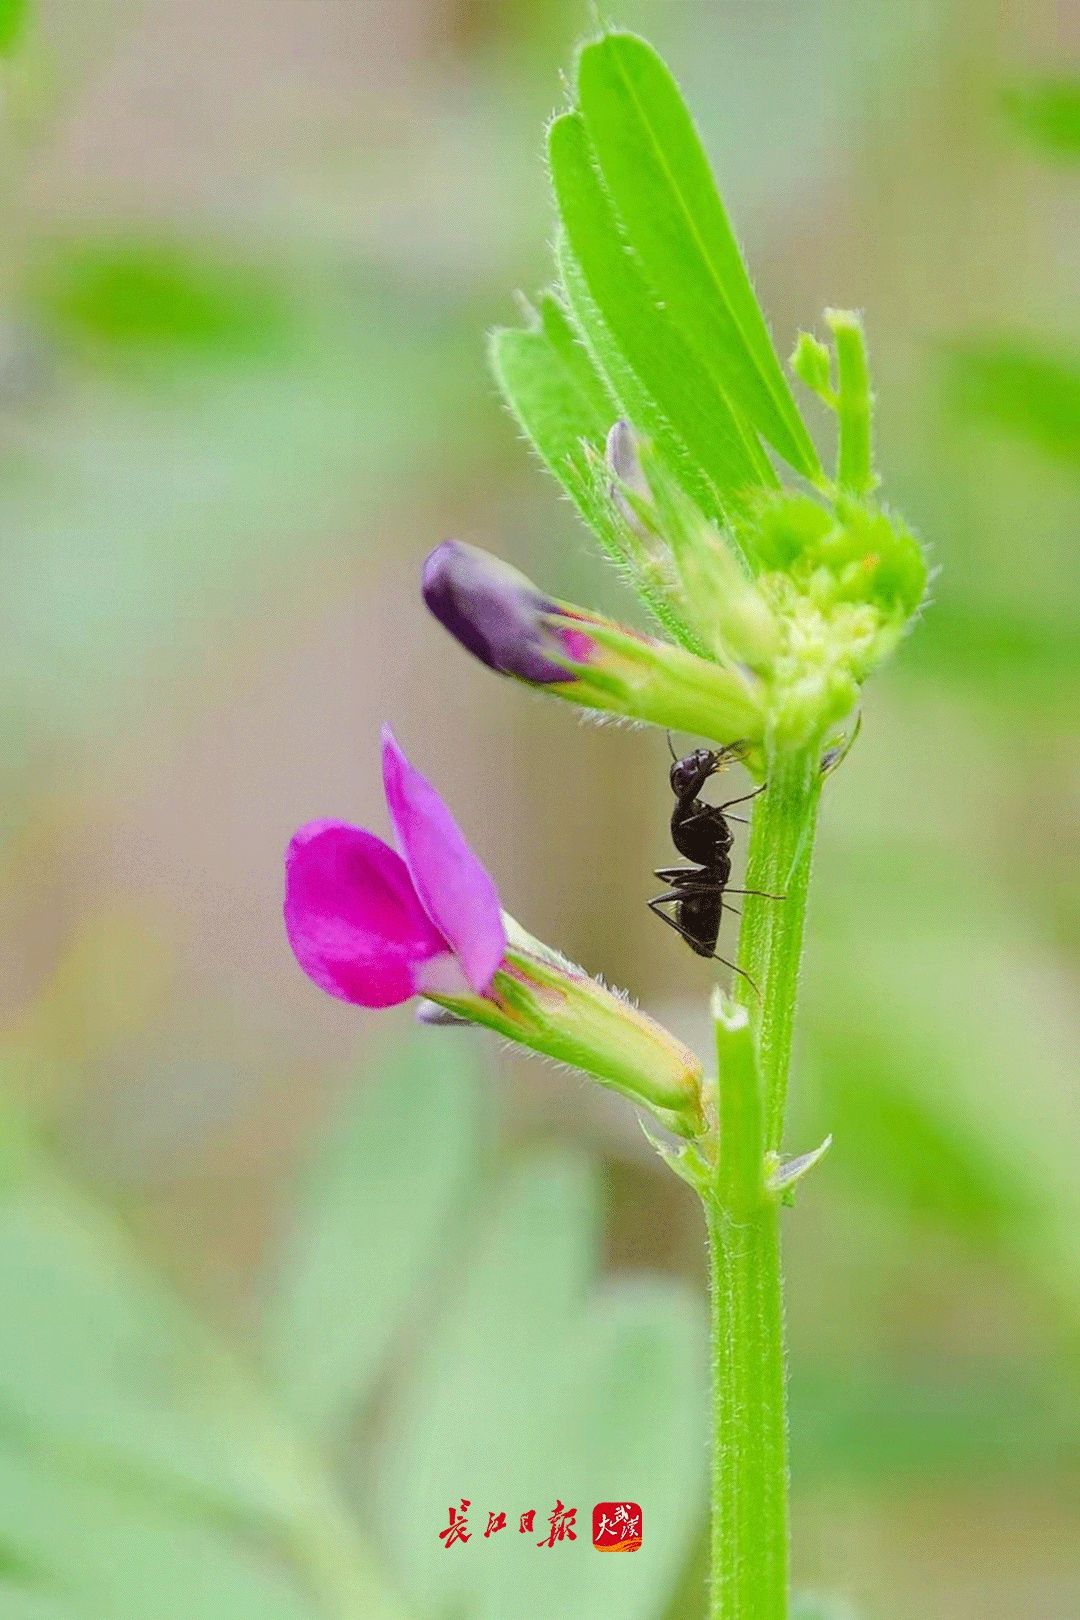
(750, 1444)
(750, 1470)
(770, 941)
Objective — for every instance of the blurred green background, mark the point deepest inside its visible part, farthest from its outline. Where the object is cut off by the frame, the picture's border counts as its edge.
(279, 1281)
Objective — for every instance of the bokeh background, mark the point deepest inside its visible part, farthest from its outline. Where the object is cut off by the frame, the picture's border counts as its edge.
(278, 1282)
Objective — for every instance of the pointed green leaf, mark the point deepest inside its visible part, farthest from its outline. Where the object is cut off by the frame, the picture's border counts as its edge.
(548, 380)
(367, 1233)
(654, 348)
(664, 192)
(636, 404)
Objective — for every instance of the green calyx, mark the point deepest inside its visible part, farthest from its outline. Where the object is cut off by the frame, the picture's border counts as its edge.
(798, 599)
(540, 1000)
(842, 581)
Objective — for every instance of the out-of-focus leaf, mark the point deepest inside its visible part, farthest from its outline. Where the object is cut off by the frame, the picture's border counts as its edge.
(131, 295)
(129, 1406)
(14, 15)
(1022, 666)
(99, 1360)
(370, 1231)
(621, 1420)
(459, 1426)
(525, 1394)
(945, 1072)
(120, 1558)
(27, 1603)
(684, 392)
(665, 195)
(1048, 112)
(1032, 393)
(877, 1424)
(151, 486)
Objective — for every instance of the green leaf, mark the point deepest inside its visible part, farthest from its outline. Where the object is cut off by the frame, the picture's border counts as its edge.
(1031, 392)
(684, 392)
(636, 404)
(664, 192)
(918, 1058)
(367, 1234)
(120, 1394)
(563, 405)
(1048, 112)
(14, 16)
(558, 395)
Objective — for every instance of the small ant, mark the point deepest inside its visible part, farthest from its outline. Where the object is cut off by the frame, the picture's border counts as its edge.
(700, 831)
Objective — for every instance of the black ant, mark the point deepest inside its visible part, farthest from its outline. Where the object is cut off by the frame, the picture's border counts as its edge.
(701, 832)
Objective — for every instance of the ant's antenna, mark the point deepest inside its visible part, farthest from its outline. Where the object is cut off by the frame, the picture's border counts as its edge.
(671, 749)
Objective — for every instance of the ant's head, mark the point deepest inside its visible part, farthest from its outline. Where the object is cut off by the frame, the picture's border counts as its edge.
(688, 775)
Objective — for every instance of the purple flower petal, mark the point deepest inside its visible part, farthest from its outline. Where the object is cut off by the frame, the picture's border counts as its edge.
(353, 917)
(455, 890)
(494, 611)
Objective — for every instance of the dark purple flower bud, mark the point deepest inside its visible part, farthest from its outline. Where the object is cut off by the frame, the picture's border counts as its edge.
(498, 614)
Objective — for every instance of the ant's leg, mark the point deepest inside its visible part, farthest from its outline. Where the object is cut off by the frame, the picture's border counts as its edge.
(688, 891)
(666, 899)
(759, 892)
(745, 798)
(740, 971)
(670, 873)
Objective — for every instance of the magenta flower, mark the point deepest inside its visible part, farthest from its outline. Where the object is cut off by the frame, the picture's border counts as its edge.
(375, 927)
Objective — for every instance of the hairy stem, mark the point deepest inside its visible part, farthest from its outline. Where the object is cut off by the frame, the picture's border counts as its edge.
(750, 1473)
(750, 1444)
(770, 941)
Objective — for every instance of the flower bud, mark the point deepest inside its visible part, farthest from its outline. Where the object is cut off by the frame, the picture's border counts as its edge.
(510, 625)
(495, 612)
(629, 486)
